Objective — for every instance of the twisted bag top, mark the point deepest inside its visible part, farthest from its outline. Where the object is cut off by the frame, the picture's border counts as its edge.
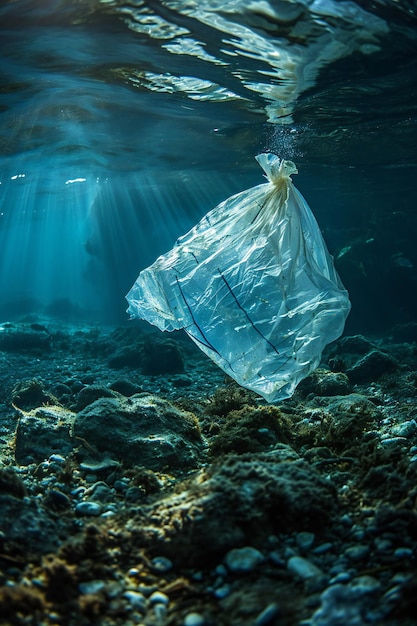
(252, 284)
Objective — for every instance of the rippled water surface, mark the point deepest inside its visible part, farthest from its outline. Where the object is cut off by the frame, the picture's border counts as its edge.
(122, 123)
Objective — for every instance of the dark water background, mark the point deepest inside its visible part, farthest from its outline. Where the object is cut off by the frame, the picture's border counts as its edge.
(123, 123)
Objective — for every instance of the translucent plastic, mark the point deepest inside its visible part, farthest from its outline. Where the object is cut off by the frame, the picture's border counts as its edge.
(252, 284)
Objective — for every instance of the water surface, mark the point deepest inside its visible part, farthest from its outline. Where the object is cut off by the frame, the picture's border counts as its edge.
(121, 124)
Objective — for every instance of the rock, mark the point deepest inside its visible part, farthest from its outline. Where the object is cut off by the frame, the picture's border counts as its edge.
(161, 564)
(92, 586)
(162, 357)
(41, 432)
(136, 600)
(125, 387)
(349, 417)
(30, 394)
(303, 568)
(157, 597)
(268, 615)
(100, 492)
(252, 429)
(371, 367)
(357, 553)
(126, 357)
(97, 467)
(223, 505)
(88, 508)
(90, 394)
(142, 430)
(242, 560)
(194, 619)
(406, 429)
(356, 344)
(324, 383)
(339, 607)
(305, 540)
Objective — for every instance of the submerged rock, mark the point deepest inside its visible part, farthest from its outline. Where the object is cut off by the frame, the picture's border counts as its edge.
(222, 510)
(372, 366)
(41, 432)
(324, 383)
(142, 430)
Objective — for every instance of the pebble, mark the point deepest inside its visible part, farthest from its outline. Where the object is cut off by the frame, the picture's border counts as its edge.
(134, 571)
(323, 548)
(136, 599)
(161, 564)
(101, 491)
(88, 508)
(366, 584)
(403, 553)
(100, 466)
(222, 592)
(242, 560)
(194, 619)
(357, 553)
(341, 577)
(91, 586)
(267, 615)
(393, 442)
(303, 568)
(305, 540)
(57, 458)
(406, 429)
(157, 597)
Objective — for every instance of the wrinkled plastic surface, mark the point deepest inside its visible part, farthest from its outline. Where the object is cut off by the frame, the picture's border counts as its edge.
(252, 284)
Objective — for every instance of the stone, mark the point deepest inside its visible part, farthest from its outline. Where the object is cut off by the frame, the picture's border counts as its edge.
(356, 344)
(371, 367)
(305, 540)
(161, 564)
(157, 597)
(143, 430)
(125, 387)
(303, 568)
(30, 394)
(136, 599)
(194, 619)
(406, 429)
(162, 357)
(41, 432)
(268, 615)
(126, 357)
(90, 394)
(349, 417)
(91, 586)
(88, 508)
(223, 504)
(242, 560)
(340, 606)
(358, 552)
(325, 383)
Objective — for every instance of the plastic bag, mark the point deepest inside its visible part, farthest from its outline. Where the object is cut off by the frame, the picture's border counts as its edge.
(252, 284)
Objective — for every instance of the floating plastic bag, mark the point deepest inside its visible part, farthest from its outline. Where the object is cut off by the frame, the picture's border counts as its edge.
(252, 284)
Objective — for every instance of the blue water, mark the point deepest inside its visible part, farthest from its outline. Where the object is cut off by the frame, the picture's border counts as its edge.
(122, 124)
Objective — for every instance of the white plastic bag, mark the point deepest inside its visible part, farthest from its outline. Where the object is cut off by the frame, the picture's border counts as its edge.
(252, 284)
